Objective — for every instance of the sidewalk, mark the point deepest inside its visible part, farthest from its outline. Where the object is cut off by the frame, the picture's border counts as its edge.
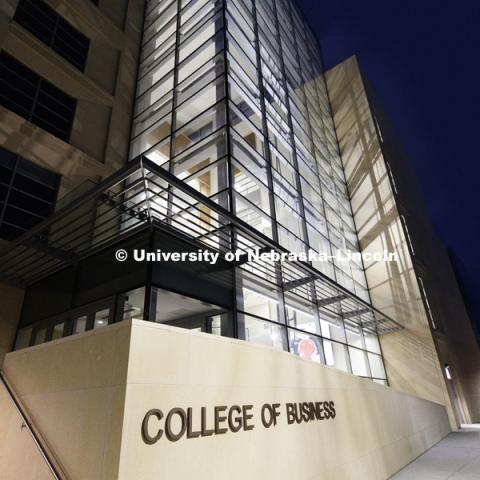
(455, 457)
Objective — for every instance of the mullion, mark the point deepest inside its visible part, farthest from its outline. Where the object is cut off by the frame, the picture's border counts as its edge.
(267, 155)
(289, 119)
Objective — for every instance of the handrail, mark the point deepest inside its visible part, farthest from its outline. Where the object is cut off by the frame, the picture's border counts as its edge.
(52, 464)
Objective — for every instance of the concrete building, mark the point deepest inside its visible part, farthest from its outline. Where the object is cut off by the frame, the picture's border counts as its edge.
(136, 135)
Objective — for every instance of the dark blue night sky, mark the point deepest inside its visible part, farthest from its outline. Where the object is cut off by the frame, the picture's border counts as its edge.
(422, 59)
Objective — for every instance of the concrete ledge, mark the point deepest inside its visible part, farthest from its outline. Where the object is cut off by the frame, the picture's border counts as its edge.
(89, 394)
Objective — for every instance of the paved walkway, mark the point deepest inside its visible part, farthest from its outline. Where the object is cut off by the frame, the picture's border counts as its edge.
(456, 457)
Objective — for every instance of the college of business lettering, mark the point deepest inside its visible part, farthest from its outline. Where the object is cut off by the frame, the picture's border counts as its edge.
(178, 422)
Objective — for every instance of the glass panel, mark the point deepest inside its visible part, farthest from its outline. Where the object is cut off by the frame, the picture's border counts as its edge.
(288, 216)
(289, 241)
(376, 366)
(80, 324)
(197, 102)
(245, 98)
(263, 333)
(202, 153)
(197, 36)
(155, 69)
(306, 346)
(23, 338)
(158, 154)
(159, 15)
(205, 59)
(209, 180)
(300, 314)
(248, 185)
(252, 215)
(57, 331)
(371, 342)
(240, 61)
(221, 325)
(156, 111)
(133, 302)
(359, 362)
(332, 328)
(199, 128)
(180, 310)
(194, 9)
(258, 297)
(153, 136)
(336, 355)
(156, 96)
(40, 336)
(101, 318)
(354, 335)
(259, 304)
(200, 77)
(246, 130)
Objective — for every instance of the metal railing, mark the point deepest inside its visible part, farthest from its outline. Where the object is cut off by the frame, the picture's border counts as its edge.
(45, 452)
(143, 195)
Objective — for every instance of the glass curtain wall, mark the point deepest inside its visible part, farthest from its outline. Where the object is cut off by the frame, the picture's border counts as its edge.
(231, 99)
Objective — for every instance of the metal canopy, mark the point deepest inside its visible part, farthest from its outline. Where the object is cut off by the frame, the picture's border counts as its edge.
(142, 195)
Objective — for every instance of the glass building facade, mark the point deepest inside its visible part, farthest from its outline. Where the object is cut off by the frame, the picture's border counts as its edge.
(231, 99)
(232, 149)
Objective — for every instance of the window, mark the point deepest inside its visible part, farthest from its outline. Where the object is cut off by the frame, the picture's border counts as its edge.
(101, 318)
(130, 304)
(376, 366)
(359, 362)
(58, 330)
(27, 94)
(24, 336)
(306, 346)
(80, 324)
(40, 336)
(336, 356)
(181, 311)
(27, 194)
(262, 332)
(53, 30)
